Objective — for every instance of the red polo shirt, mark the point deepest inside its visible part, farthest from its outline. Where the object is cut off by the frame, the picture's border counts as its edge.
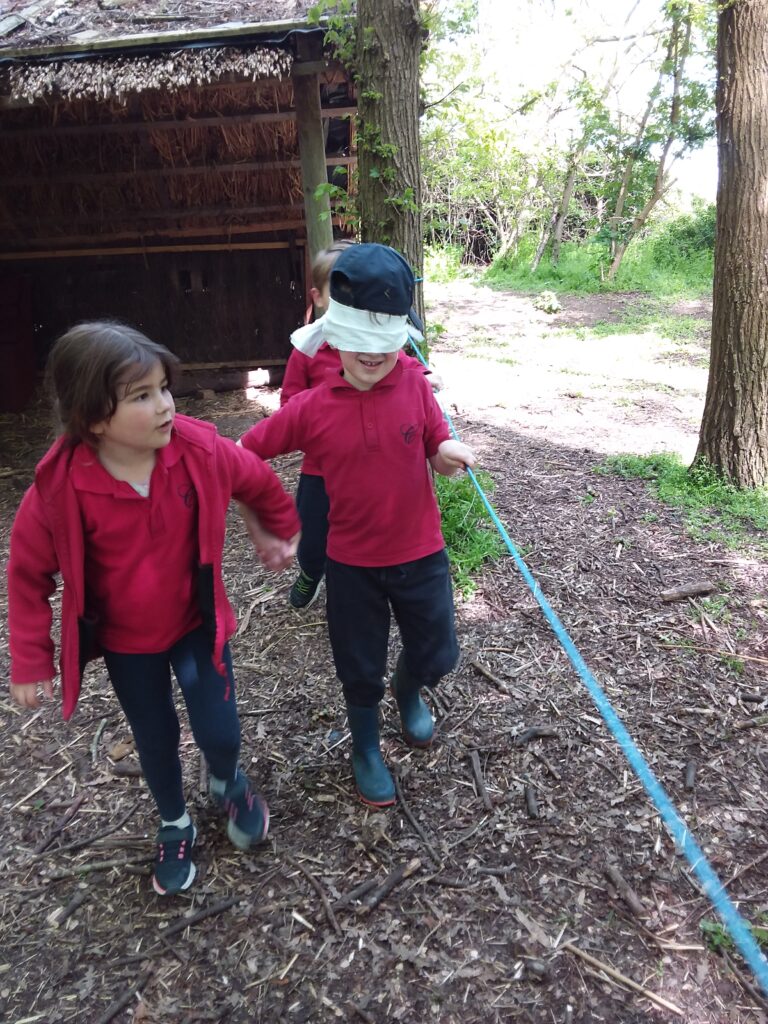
(371, 448)
(303, 372)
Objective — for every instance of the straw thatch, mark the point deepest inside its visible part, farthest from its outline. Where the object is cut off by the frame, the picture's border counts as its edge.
(116, 78)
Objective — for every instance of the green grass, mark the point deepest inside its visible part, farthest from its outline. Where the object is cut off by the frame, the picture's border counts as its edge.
(716, 936)
(714, 509)
(470, 536)
(647, 318)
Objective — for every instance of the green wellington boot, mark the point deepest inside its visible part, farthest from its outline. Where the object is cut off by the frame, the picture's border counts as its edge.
(416, 718)
(374, 782)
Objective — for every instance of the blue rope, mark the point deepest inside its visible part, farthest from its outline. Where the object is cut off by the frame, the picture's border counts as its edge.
(686, 844)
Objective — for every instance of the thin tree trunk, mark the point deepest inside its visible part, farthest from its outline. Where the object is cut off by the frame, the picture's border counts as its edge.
(678, 53)
(734, 427)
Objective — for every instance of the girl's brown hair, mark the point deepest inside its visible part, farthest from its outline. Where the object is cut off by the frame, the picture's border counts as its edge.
(322, 265)
(90, 364)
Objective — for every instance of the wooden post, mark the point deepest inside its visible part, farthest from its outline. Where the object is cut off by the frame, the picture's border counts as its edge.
(306, 91)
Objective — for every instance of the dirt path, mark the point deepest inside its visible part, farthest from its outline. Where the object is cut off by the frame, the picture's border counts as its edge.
(495, 889)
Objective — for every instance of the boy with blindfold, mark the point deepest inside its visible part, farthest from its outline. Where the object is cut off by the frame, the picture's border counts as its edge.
(372, 428)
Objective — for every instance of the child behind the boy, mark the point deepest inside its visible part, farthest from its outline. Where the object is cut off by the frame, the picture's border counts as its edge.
(129, 507)
(303, 372)
(371, 427)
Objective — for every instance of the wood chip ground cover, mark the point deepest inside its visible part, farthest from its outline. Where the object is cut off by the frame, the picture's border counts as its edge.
(523, 854)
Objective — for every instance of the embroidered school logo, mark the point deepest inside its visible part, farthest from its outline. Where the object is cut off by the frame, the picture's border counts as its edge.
(188, 496)
(408, 432)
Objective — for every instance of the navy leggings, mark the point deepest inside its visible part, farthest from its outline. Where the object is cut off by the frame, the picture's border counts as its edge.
(312, 506)
(360, 602)
(142, 683)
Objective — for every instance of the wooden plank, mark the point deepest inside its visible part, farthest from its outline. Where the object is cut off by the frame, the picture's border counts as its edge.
(258, 166)
(143, 250)
(314, 164)
(223, 231)
(170, 213)
(171, 124)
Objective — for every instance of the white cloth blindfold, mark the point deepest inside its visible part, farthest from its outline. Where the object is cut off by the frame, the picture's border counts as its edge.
(354, 330)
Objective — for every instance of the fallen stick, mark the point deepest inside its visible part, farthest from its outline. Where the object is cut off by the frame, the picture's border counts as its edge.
(95, 742)
(95, 865)
(60, 825)
(43, 784)
(700, 589)
(498, 683)
(216, 908)
(530, 802)
(59, 916)
(403, 803)
(114, 1008)
(535, 732)
(477, 771)
(355, 894)
(625, 890)
(320, 892)
(690, 776)
(80, 844)
(618, 976)
(721, 654)
(393, 879)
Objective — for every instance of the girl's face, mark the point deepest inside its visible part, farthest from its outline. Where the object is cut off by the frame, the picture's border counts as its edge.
(142, 421)
(364, 369)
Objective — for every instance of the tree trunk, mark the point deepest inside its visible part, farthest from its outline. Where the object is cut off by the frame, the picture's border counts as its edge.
(734, 427)
(389, 42)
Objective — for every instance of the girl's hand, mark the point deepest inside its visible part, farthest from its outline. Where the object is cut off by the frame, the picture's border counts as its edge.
(26, 694)
(274, 552)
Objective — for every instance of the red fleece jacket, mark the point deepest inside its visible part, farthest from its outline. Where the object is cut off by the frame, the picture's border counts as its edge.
(47, 539)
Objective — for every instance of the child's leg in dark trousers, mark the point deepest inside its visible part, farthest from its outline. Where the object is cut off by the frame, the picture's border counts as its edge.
(142, 683)
(312, 506)
(358, 627)
(422, 602)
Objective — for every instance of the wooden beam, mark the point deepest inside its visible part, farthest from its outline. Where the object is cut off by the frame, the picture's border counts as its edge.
(161, 172)
(171, 124)
(314, 164)
(145, 250)
(233, 364)
(169, 213)
(69, 241)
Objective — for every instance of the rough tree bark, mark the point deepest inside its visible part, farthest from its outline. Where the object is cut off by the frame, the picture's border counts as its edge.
(389, 43)
(734, 428)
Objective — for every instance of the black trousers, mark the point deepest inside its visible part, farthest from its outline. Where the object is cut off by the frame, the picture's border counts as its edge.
(360, 603)
(312, 506)
(142, 683)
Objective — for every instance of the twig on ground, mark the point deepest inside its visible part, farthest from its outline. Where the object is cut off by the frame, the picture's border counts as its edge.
(531, 804)
(625, 890)
(477, 772)
(216, 908)
(498, 683)
(95, 865)
(320, 892)
(403, 805)
(43, 784)
(623, 979)
(535, 732)
(96, 737)
(80, 844)
(61, 824)
(355, 894)
(395, 877)
(60, 915)
(114, 1008)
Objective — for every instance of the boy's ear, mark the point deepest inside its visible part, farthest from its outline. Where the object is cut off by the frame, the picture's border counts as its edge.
(314, 294)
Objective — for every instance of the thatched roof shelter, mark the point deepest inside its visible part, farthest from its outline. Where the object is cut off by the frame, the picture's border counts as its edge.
(160, 163)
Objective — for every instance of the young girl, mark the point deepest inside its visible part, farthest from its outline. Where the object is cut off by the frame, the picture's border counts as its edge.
(371, 427)
(129, 506)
